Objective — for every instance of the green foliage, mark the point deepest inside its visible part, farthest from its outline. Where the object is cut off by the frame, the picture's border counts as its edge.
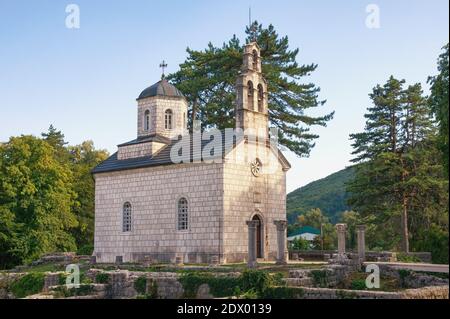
(140, 285)
(399, 188)
(62, 278)
(300, 244)
(219, 286)
(249, 294)
(438, 102)
(83, 159)
(358, 284)
(207, 79)
(316, 219)
(255, 279)
(85, 250)
(405, 258)
(320, 278)
(30, 284)
(351, 219)
(103, 278)
(327, 194)
(435, 240)
(36, 197)
(46, 197)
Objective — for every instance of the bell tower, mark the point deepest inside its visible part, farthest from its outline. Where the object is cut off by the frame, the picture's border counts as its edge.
(251, 89)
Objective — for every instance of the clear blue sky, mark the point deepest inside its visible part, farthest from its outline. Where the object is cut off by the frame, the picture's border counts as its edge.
(85, 81)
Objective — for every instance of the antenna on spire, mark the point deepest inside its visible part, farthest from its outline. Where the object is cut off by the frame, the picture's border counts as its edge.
(163, 65)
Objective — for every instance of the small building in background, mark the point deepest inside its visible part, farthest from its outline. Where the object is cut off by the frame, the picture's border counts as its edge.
(306, 232)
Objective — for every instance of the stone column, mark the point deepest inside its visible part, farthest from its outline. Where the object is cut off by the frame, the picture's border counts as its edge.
(281, 241)
(341, 228)
(252, 225)
(361, 233)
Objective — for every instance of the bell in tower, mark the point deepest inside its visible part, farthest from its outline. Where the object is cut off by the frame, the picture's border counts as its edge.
(251, 88)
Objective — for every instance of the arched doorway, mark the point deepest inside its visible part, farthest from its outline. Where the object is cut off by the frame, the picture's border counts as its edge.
(259, 237)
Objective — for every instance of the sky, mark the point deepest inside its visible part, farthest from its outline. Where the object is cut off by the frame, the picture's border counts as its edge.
(85, 81)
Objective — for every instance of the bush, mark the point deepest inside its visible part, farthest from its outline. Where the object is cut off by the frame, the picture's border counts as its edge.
(358, 284)
(255, 279)
(101, 278)
(140, 285)
(85, 250)
(402, 257)
(30, 284)
(219, 286)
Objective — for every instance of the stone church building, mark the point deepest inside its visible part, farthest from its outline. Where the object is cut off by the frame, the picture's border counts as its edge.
(150, 208)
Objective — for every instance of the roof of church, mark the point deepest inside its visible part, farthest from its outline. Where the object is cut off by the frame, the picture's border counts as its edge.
(149, 138)
(160, 158)
(163, 157)
(161, 88)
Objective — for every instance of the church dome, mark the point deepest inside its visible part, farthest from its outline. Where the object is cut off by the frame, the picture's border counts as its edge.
(161, 88)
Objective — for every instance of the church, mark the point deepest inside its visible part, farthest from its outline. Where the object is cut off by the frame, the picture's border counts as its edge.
(151, 208)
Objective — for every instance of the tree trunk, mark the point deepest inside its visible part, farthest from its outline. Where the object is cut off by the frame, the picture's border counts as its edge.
(405, 231)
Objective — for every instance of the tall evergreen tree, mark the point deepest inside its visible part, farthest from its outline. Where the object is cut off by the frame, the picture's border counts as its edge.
(439, 103)
(207, 78)
(398, 180)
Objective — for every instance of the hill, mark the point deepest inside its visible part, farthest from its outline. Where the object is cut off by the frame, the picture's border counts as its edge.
(328, 194)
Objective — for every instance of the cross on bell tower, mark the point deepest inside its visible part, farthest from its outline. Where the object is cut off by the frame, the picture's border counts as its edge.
(163, 65)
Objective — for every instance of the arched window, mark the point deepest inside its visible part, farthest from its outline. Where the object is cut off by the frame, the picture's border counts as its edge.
(250, 95)
(126, 217)
(260, 98)
(168, 119)
(255, 60)
(147, 120)
(183, 217)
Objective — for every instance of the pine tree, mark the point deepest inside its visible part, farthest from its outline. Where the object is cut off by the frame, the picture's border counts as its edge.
(398, 180)
(439, 103)
(207, 79)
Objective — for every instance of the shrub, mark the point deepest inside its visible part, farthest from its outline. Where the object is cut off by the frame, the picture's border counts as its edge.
(140, 285)
(402, 257)
(85, 250)
(30, 284)
(255, 279)
(358, 284)
(101, 278)
(219, 286)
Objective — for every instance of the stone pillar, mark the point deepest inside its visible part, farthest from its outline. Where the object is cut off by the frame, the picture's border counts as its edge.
(341, 229)
(252, 226)
(281, 241)
(361, 233)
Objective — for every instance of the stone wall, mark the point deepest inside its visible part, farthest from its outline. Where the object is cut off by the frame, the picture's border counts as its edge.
(157, 106)
(246, 195)
(154, 193)
(139, 150)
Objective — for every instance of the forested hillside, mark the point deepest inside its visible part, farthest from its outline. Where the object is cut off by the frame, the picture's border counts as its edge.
(328, 194)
